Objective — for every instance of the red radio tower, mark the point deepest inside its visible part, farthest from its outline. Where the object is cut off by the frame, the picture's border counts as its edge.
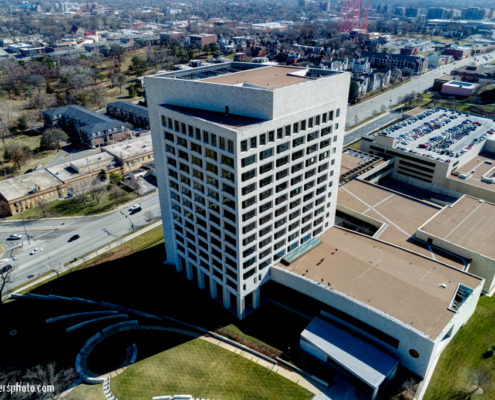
(351, 15)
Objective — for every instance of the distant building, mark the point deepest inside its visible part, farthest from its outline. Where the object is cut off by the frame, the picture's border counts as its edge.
(90, 128)
(129, 112)
(171, 36)
(456, 88)
(389, 61)
(361, 65)
(412, 12)
(16, 47)
(409, 51)
(400, 11)
(438, 82)
(325, 6)
(476, 13)
(203, 39)
(436, 13)
(32, 51)
(475, 73)
(458, 53)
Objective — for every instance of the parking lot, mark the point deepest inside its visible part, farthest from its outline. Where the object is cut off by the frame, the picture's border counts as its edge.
(441, 134)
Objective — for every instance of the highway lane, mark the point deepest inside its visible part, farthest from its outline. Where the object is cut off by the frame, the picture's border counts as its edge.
(94, 232)
(375, 124)
(416, 84)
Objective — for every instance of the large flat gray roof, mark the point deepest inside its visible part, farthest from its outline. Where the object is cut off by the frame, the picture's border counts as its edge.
(468, 223)
(401, 284)
(23, 185)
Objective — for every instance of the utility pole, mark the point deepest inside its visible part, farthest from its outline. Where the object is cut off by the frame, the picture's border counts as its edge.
(24, 226)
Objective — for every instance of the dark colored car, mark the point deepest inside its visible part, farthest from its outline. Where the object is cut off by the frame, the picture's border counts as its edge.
(6, 268)
(74, 237)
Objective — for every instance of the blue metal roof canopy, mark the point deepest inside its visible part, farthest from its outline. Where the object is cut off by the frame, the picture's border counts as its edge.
(363, 360)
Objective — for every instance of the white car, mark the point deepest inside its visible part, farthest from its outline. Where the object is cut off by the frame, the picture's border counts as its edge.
(135, 208)
(14, 236)
(35, 250)
(3, 260)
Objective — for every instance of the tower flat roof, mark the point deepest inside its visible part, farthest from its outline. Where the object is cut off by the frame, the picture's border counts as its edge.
(220, 118)
(272, 77)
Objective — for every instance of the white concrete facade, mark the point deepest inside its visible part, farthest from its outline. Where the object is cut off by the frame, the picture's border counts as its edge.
(236, 197)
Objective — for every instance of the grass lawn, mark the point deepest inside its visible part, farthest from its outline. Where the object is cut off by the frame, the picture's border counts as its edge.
(441, 39)
(144, 241)
(75, 206)
(203, 369)
(463, 357)
(355, 145)
(36, 158)
(86, 392)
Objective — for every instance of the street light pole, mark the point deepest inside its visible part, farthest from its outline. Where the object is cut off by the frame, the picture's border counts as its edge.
(24, 226)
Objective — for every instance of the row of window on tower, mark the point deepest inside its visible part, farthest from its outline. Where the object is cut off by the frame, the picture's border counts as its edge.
(209, 138)
(288, 130)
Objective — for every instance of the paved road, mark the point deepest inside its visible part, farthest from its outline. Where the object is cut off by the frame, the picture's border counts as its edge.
(52, 235)
(373, 125)
(417, 84)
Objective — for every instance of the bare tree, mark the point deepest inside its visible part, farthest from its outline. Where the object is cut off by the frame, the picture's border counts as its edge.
(47, 381)
(116, 193)
(39, 101)
(96, 189)
(17, 154)
(148, 216)
(4, 281)
(7, 120)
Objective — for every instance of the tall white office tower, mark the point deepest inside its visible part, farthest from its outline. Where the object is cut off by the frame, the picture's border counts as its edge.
(247, 159)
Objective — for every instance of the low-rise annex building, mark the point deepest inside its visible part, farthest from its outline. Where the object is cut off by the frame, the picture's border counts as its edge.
(466, 228)
(403, 303)
(132, 154)
(75, 177)
(27, 191)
